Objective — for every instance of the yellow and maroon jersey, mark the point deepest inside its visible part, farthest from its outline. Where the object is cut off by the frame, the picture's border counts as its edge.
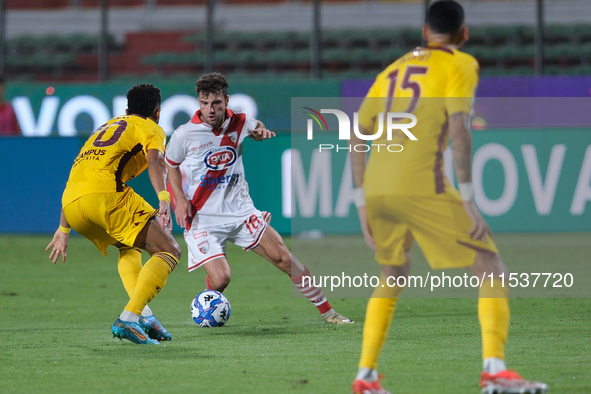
(433, 83)
(114, 153)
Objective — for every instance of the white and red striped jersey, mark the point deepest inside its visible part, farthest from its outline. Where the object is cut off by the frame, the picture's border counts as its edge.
(212, 160)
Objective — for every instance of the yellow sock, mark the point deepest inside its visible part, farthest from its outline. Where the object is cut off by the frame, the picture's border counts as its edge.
(151, 280)
(377, 323)
(378, 317)
(129, 266)
(494, 315)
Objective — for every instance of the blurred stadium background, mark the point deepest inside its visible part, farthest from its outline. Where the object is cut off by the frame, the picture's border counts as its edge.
(90, 40)
(68, 64)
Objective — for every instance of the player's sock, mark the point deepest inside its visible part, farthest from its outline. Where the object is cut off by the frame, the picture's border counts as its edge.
(377, 323)
(493, 365)
(494, 315)
(129, 266)
(151, 280)
(147, 311)
(208, 285)
(311, 292)
(367, 374)
(129, 317)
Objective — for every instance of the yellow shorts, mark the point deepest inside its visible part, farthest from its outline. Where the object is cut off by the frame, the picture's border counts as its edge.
(438, 223)
(108, 218)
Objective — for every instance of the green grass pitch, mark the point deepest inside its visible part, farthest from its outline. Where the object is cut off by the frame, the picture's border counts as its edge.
(55, 331)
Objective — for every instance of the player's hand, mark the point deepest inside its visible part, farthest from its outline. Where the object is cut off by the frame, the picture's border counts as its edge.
(261, 133)
(164, 216)
(367, 235)
(182, 211)
(59, 244)
(480, 229)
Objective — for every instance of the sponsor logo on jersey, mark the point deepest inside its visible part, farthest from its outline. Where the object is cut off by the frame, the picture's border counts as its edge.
(214, 181)
(200, 234)
(220, 158)
(90, 154)
(210, 143)
(204, 247)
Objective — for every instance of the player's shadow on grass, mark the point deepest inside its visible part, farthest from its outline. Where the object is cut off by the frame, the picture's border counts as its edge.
(259, 331)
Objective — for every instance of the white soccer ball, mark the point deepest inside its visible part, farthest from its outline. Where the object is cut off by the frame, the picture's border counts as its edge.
(210, 309)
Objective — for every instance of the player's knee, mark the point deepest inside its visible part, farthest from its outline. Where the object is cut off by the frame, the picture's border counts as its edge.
(284, 259)
(487, 263)
(219, 283)
(174, 249)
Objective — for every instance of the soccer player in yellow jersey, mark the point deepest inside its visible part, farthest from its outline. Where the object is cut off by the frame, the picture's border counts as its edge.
(405, 196)
(99, 205)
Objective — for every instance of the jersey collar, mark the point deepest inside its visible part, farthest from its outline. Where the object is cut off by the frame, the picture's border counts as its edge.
(197, 120)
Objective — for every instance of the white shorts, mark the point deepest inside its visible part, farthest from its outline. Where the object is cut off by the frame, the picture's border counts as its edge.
(205, 244)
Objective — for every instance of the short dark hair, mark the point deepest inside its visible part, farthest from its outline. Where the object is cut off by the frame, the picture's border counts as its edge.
(143, 99)
(445, 17)
(212, 83)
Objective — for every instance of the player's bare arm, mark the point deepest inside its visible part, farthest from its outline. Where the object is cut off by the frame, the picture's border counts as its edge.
(157, 170)
(358, 164)
(60, 240)
(461, 145)
(261, 133)
(182, 209)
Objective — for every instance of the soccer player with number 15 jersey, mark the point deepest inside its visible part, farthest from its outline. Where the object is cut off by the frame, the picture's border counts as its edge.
(414, 200)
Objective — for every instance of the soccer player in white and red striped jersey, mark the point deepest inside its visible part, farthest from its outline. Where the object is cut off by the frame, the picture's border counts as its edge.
(217, 207)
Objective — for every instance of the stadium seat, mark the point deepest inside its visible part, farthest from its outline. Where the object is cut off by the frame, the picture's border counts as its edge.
(554, 34)
(567, 52)
(387, 56)
(160, 59)
(515, 53)
(336, 55)
(411, 38)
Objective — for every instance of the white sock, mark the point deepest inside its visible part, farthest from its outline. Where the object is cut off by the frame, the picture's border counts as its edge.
(129, 316)
(493, 365)
(369, 375)
(147, 311)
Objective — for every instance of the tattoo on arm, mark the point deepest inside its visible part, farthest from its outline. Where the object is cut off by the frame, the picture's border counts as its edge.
(461, 145)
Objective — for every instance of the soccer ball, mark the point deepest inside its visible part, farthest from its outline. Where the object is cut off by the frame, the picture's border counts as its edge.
(210, 309)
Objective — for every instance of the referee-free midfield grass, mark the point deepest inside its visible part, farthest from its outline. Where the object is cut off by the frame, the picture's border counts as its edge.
(56, 319)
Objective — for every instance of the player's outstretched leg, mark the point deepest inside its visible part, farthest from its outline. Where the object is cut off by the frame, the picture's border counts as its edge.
(273, 249)
(316, 296)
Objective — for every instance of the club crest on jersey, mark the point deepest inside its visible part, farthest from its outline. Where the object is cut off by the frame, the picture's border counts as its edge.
(233, 136)
(204, 247)
(220, 158)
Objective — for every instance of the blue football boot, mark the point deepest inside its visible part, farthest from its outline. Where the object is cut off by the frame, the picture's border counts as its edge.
(132, 332)
(154, 329)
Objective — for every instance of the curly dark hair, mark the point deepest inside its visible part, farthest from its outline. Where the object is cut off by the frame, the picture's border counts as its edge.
(143, 99)
(212, 83)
